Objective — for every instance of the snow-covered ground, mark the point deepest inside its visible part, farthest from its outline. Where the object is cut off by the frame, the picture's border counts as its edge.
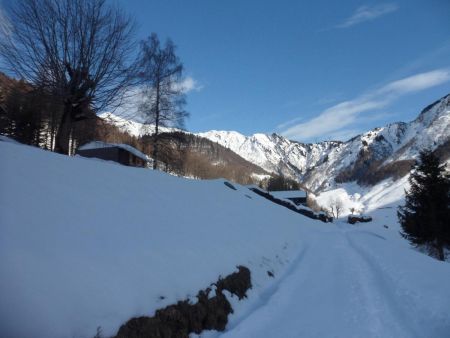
(365, 199)
(353, 283)
(86, 243)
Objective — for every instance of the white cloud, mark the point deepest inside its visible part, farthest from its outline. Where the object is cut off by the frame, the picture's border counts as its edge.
(129, 107)
(188, 84)
(290, 122)
(417, 82)
(367, 13)
(333, 120)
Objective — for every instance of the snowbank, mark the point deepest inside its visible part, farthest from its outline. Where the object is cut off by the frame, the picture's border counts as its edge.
(86, 243)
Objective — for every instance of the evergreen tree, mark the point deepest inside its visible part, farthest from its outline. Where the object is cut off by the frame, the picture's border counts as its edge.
(425, 217)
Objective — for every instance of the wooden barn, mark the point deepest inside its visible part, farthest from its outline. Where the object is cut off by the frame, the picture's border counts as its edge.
(120, 153)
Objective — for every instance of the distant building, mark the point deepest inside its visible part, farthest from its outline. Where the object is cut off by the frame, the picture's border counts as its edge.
(120, 153)
(296, 196)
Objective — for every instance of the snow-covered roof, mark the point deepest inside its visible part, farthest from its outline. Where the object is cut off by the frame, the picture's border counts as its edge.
(127, 147)
(288, 193)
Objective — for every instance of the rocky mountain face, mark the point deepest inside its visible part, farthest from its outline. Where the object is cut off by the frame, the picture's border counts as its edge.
(367, 158)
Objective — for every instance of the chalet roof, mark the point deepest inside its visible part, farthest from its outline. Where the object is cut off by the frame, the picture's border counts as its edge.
(288, 194)
(127, 147)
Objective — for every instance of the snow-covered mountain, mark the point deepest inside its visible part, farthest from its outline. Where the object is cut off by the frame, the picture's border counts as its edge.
(275, 153)
(132, 127)
(366, 158)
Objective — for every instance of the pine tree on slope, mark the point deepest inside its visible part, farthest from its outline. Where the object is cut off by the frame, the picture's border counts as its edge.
(425, 217)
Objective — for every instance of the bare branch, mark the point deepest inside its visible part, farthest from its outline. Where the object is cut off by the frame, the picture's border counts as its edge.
(80, 51)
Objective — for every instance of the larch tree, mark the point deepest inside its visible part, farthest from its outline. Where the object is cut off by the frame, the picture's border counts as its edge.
(163, 95)
(78, 51)
(425, 216)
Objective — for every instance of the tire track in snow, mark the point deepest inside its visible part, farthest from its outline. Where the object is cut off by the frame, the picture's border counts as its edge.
(265, 296)
(333, 290)
(381, 300)
(408, 303)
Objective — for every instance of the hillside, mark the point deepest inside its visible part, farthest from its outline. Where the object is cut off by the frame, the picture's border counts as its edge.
(85, 243)
(189, 155)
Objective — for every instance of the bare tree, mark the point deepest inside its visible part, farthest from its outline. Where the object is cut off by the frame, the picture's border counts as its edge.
(163, 96)
(336, 206)
(76, 50)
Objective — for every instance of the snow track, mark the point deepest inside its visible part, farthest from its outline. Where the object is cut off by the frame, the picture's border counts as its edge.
(336, 289)
(385, 311)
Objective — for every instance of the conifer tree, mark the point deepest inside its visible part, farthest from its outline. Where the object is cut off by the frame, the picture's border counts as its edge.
(425, 217)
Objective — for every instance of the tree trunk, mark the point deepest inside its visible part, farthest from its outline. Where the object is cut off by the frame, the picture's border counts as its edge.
(155, 148)
(63, 132)
(156, 137)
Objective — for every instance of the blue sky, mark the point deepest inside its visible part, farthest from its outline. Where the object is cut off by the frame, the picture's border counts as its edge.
(309, 70)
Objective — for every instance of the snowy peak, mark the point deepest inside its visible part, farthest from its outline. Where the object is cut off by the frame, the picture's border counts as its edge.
(435, 110)
(367, 158)
(228, 139)
(321, 165)
(132, 127)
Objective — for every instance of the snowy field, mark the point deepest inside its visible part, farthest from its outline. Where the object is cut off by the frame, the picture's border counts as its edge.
(86, 243)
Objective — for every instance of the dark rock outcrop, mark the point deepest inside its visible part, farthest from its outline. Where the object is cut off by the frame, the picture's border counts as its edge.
(183, 318)
(352, 219)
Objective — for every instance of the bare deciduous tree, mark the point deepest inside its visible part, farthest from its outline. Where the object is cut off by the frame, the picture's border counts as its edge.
(336, 206)
(76, 50)
(163, 96)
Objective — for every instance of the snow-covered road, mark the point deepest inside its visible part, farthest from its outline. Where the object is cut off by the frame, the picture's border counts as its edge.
(339, 287)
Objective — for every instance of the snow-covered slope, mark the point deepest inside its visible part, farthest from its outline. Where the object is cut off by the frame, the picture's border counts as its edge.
(86, 243)
(365, 199)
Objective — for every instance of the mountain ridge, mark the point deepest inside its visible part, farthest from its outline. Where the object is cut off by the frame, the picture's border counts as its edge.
(366, 158)
(318, 165)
